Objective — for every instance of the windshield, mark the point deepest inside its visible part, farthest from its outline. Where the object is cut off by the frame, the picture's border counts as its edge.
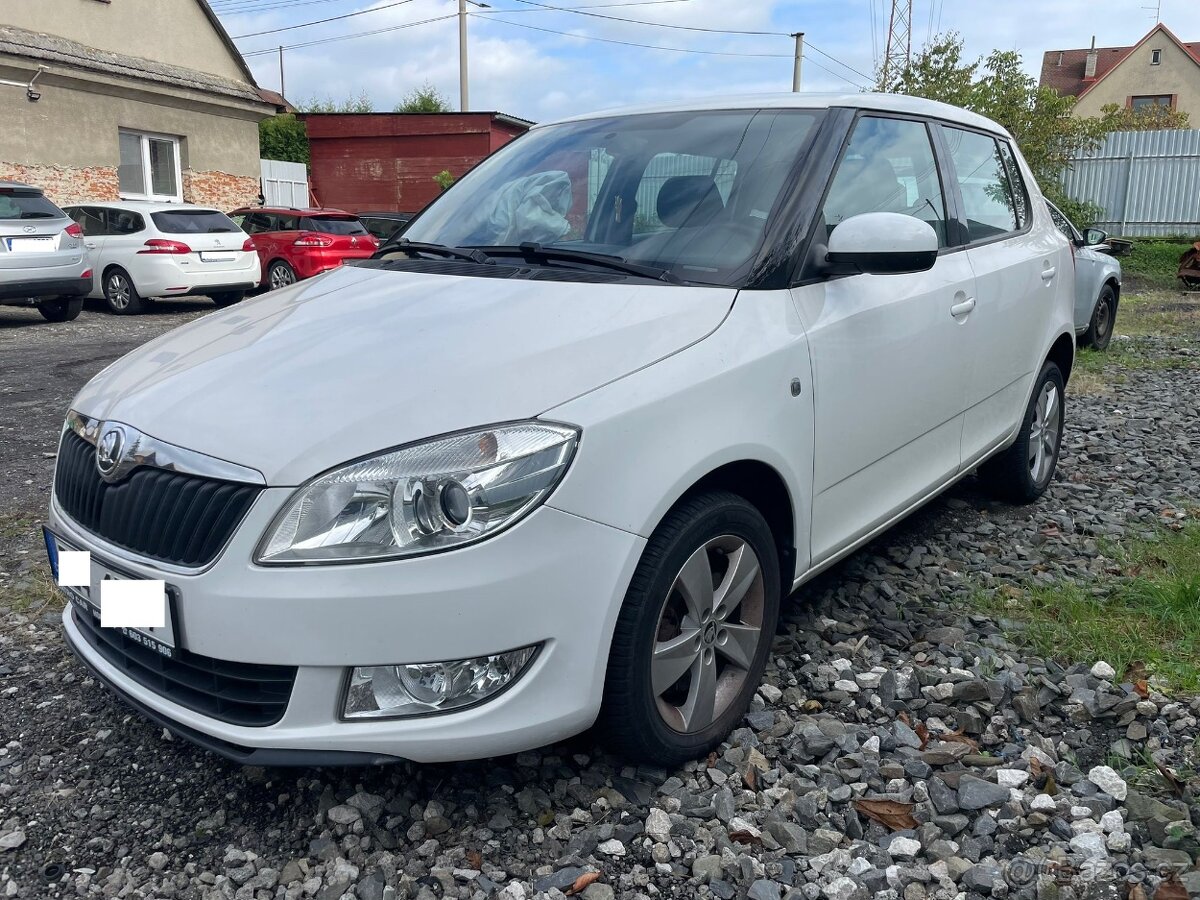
(334, 225)
(25, 204)
(193, 221)
(688, 192)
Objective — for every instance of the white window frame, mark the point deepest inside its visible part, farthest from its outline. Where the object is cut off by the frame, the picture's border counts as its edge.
(144, 138)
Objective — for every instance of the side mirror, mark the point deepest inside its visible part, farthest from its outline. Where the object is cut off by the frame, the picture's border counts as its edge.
(881, 243)
(1094, 236)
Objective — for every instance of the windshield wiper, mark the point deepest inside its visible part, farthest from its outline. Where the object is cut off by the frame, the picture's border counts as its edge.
(470, 254)
(39, 215)
(532, 252)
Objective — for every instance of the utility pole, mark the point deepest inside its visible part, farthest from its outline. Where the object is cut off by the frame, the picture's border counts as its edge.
(799, 36)
(899, 39)
(462, 56)
(281, 93)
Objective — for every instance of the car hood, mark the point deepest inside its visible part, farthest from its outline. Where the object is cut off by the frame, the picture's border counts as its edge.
(360, 360)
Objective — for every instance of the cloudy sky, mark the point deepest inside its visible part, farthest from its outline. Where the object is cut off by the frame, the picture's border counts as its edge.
(542, 63)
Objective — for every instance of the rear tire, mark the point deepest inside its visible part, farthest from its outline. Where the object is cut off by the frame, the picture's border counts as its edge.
(279, 275)
(120, 294)
(694, 633)
(60, 309)
(1022, 473)
(1104, 317)
(228, 298)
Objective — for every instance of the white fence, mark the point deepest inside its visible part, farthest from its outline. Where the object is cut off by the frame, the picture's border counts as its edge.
(1147, 182)
(284, 183)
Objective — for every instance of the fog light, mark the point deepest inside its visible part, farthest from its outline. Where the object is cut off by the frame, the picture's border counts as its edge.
(419, 689)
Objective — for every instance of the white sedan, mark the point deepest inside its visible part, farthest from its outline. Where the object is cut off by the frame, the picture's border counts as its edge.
(141, 250)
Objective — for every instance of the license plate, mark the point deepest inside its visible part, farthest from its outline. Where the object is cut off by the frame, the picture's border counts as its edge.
(164, 640)
(31, 245)
(209, 256)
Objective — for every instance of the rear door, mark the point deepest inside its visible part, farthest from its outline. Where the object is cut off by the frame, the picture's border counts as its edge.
(1018, 270)
(124, 235)
(887, 352)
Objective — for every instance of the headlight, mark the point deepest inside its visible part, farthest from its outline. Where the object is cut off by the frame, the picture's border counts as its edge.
(377, 692)
(426, 497)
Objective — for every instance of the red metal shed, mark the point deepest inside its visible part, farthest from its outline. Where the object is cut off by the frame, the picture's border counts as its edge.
(387, 161)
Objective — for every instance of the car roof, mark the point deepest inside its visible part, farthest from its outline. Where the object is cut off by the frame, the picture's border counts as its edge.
(386, 214)
(19, 184)
(880, 102)
(145, 206)
(296, 210)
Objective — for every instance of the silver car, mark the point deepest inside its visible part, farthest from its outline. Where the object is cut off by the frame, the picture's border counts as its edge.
(43, 262)
(1097, 282)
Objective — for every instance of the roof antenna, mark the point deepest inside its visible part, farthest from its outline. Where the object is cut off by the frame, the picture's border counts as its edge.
(1157, 9)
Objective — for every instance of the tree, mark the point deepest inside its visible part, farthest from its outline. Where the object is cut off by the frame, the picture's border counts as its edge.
(424, 99)
(358, 104)
(1148, 118)
(444, 179)
(283, 137)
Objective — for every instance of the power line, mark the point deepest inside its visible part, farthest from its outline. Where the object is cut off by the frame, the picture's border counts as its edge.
(809, 46)
(252, 7)
(238, 37)
(588, 37)
(594, 15)
(346, 37)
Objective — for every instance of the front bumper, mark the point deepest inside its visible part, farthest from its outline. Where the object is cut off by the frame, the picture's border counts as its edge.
(554, 579)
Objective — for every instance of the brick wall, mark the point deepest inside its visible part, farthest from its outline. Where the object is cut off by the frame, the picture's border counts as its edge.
(64, 185)
(220, 190)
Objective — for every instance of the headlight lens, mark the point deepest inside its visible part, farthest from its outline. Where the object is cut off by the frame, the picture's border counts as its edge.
(377, 692)
(431, 496)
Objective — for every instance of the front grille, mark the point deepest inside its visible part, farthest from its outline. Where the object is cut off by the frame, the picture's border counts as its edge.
(167, 516)
(238, 693)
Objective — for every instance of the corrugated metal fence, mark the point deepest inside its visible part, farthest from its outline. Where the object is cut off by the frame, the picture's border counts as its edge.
(284, 183)
(1147, 182)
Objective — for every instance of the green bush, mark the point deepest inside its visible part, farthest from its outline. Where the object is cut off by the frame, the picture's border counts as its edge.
(1155, 260)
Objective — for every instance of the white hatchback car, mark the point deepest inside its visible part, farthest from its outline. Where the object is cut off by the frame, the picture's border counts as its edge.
(562, 453)
(141, 250)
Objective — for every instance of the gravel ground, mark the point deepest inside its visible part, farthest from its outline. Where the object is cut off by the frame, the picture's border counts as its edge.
(901, 745)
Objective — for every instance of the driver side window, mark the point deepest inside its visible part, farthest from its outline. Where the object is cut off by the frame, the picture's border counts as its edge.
(888, 166)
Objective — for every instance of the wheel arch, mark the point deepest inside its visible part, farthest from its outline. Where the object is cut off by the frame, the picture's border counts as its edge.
(761, 485)
(1062, 354)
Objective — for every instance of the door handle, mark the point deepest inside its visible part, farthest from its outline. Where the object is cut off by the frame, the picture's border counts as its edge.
(1048, 273)
(89, 246)
(961, 309)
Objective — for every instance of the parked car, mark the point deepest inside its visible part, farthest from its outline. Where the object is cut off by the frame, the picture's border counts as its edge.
(1097, 281)
(385, 226)
(561, 456)
(43, 262)
(143, 250)
(300, 243)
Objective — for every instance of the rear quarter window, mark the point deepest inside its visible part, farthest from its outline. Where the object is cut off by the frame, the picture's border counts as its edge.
(193, 221)
(21, 204)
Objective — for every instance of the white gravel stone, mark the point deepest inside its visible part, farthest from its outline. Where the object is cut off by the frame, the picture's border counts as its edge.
(1043, 803)
(841, 888)
(904, 848)
(514, 890)
(1106, 778)
(1104, 671)
(1011, 778)
(612, 847)
(1112, 822)
(1090, 845)
(770, 693)
(844, 684)
(658, 825)
(1119, 841)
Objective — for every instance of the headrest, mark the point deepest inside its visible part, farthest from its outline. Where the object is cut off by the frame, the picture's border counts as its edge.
(688, 200)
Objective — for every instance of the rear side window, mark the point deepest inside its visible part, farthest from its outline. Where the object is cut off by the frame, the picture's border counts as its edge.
(983, 182)
(193, 221)
(90, 219)
(285, 223)
(16, 203)
(334, 225)
(888, 166)
(1016, 183)
(123, 221)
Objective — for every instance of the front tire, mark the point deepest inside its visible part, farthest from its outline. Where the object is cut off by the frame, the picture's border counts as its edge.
(693, 635)
(228, 298)
(61, 309)
(1022, 473)
(120, 294)
(1104, 317)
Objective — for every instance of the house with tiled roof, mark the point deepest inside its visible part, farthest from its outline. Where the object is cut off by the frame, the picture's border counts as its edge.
(132, 99)
(1160, 69)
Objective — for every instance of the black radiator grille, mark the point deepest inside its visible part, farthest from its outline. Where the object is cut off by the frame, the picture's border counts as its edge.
(168, 516)
(238, 693)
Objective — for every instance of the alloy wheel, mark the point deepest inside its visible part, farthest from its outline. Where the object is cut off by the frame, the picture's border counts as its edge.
(708, 633)
(281, 276)
(117, 290)
(1044, 432)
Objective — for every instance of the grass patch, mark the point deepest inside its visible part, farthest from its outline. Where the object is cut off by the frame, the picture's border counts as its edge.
(1160, 313)
(1149, 618)
(1155, 262)
(13, 526)
(35, 595)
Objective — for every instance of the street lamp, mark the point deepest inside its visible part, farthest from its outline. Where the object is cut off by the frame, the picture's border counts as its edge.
(463, 103)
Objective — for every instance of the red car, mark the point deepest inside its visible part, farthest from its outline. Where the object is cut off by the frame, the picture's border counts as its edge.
(300, 243)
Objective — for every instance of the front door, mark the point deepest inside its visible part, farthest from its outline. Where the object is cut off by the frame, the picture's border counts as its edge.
(887, 353)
